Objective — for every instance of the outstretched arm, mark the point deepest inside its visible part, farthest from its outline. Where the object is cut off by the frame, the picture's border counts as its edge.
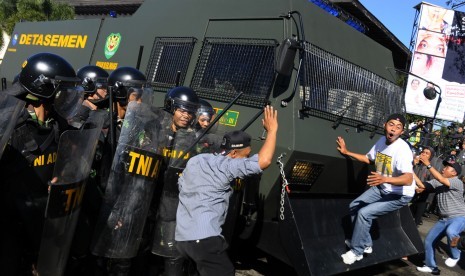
(437, 175)
(270, 123)
(341, 147)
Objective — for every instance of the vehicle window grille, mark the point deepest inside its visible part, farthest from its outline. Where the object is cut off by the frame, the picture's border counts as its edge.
(169, 55)
(305, 172)
(333, 88)
(228, 66)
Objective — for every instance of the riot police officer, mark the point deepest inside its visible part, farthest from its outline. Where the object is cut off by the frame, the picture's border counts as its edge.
(127, 85)
(182, 103)
(123, 81)
(209, 142)
(205, 114)
(47, 84)
(93, 80)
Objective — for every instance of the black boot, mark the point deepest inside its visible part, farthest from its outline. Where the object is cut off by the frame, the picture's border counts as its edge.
(118, 267)
(174, 266)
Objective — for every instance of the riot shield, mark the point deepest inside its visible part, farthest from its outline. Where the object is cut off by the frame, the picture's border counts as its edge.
(131, 183)
(177, 150)
(68, 103)
(10, 108)
(76, 149)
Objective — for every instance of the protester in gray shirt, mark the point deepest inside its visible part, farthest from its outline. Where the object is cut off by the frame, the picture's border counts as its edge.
(204, 191)
(449, 189)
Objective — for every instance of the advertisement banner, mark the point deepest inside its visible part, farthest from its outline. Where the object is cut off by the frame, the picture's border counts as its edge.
(438, 60)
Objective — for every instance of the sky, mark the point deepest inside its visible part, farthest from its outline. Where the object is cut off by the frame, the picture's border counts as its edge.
(398, 15)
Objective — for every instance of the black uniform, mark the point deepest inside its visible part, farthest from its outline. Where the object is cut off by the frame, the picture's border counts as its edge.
(26, 167)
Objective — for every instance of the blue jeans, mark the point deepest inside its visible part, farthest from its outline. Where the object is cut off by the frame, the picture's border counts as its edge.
(445, 226)
(372, 204)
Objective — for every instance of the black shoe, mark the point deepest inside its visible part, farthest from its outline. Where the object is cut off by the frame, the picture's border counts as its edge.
(426, 215)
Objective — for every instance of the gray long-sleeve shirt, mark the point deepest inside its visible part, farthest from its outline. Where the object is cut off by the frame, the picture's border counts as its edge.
(204, 191)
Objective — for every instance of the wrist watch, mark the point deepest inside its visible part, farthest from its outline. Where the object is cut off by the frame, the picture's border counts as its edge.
(429, 166)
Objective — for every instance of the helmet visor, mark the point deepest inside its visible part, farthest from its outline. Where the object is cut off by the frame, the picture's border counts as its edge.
(91, 85)
(120, 89)
(184, 113)
(144, 95)
(16, 90)
(205, 112)
(185, 106)
(68, 100)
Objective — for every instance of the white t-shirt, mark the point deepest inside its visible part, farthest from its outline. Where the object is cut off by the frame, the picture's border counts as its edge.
(393, 160)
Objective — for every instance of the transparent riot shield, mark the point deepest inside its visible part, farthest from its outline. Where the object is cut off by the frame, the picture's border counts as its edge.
(131, 184)
(68, 101)
(178, 149)
(10, 108)
(76, 149)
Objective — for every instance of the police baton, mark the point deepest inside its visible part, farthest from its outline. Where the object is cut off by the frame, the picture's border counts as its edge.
(178, 78)
(112, 121)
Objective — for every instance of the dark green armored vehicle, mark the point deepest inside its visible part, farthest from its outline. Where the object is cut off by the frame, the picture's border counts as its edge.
(311, 60)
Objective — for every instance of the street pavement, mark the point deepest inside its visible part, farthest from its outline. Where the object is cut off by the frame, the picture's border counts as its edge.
(261, 267)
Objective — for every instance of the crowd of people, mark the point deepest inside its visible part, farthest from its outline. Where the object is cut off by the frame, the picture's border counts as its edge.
(446, 141)
(133, 220)
(438, 166)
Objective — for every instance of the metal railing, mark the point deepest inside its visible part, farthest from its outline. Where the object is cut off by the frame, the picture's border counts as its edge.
(332, 87)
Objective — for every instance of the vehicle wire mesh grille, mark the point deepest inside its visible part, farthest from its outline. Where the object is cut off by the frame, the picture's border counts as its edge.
(169, 55)
(228, 66)
(335, 89)
(305, 172)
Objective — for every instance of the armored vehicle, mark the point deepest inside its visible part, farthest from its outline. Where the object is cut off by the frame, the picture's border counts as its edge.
(309, 59)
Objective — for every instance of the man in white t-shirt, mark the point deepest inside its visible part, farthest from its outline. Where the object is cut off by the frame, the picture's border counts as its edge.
(391, 185)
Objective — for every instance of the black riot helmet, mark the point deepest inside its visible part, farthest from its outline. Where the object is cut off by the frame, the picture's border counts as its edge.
(205, 108)
(205, 114)
(92, 77)
(43, 73)
(181, 97)
(124, 78)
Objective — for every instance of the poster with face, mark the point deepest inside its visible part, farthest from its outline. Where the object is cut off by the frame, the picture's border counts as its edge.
(438, 60)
